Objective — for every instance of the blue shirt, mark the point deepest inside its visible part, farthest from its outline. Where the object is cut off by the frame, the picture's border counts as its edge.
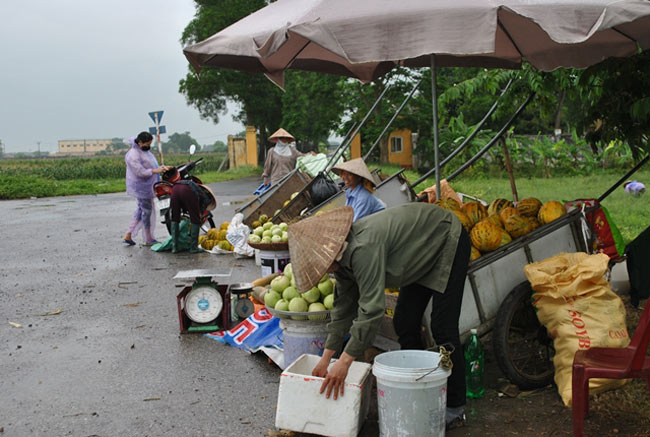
(362, 202)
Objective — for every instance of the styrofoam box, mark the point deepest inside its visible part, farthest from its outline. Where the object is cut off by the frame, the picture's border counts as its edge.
(302, 408)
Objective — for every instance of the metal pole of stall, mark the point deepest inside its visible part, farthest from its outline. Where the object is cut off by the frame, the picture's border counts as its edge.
(392, 119)
(621, 180)
(464, 144)
(493, 140)
(344, 146)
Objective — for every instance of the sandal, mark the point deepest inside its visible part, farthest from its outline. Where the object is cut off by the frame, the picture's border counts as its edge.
(129, 242)
(150, 243)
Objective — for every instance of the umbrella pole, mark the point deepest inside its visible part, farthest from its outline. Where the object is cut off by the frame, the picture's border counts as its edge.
(434, 102)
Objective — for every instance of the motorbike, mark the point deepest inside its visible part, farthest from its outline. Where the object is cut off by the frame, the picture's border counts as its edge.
(163, 192)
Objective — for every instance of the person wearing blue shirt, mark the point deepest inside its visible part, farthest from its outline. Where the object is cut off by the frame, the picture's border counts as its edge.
(359, 187)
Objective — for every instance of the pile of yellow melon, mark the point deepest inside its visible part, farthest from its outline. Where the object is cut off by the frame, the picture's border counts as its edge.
(502, 221)
(216, 238)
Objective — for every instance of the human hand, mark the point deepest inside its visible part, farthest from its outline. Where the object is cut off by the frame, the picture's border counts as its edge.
(321, 368)
(335, 378)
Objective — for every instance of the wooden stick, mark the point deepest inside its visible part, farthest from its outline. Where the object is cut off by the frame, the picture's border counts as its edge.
(513, 187)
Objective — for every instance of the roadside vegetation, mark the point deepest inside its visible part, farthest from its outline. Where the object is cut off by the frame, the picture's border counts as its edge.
(24, 178)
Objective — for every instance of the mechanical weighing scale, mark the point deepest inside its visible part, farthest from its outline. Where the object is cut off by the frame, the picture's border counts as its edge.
(203, 305)
(242, 306)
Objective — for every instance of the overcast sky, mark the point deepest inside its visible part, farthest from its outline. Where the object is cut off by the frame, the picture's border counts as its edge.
(75, 69)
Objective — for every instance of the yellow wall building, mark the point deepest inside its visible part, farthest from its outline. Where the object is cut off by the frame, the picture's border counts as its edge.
(243, 151)
(83, 147)
(400, 147)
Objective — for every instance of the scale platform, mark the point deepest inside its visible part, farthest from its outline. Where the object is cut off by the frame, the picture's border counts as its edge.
(203, 273)
(213, 301)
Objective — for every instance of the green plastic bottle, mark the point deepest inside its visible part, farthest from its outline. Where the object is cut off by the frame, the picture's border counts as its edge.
(474, 360)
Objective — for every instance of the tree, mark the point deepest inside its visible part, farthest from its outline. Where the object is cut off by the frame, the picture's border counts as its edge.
(218, 146)
(615, 97)
(116, 145)
(312, 106)
(259, 99)
(178, 143)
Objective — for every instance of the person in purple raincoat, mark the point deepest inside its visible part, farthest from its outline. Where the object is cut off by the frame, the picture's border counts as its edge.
(142, 171)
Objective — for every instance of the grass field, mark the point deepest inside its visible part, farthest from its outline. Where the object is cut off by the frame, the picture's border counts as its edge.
(630, 214)
(70, 176)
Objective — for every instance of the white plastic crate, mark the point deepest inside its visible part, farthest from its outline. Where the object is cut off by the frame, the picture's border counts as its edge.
(302, 408)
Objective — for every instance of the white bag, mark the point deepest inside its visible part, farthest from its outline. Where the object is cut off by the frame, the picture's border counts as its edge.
(237, 235)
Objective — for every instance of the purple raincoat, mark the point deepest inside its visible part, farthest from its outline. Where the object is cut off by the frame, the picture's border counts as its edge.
(139, 172)
(139, 184)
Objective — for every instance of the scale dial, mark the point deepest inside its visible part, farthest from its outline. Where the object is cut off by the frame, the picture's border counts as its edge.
(203, 304)
(244, 308)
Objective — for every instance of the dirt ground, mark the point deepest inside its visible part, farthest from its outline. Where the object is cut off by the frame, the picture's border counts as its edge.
(624, 411)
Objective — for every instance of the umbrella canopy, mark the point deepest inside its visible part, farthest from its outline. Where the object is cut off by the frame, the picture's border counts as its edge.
(367, 38)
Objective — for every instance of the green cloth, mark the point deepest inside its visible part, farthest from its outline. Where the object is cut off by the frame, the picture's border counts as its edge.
(184, 240)
(407, 244)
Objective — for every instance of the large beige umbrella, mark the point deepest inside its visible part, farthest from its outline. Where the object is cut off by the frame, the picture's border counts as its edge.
(367, 38)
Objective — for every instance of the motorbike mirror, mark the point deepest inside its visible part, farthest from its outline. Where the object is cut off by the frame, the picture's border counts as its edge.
(192, 149)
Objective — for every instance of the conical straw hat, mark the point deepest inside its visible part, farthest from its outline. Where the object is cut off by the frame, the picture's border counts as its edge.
(213, 203)
(355, 166)
(280, 133)
(314, 244)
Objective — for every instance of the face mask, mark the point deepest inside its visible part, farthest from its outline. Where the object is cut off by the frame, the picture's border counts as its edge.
(145, 148)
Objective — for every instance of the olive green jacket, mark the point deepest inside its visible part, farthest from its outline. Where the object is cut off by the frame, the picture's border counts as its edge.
(407, 244)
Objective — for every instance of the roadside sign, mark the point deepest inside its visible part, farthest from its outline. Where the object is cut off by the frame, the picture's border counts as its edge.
(161, 130)
(156, 116)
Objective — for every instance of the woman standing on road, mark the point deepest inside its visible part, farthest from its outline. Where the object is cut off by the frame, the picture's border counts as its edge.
(141, 173)
(280, 159)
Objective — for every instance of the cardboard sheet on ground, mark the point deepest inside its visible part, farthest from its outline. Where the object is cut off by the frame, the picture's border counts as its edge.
(259, 332)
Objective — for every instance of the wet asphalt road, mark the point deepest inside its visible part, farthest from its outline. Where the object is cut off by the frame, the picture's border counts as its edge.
(113, 361)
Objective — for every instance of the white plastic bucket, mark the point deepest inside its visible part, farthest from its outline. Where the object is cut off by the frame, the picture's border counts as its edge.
(408, 406)
(302, 337)
(273, 261)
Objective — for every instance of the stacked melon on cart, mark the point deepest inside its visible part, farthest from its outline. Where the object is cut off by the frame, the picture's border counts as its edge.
(502, 221)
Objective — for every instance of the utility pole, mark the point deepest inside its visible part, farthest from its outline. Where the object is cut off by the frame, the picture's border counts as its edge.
(38, 143)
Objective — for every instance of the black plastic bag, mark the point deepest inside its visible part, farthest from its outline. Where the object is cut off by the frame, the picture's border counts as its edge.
(322, 189)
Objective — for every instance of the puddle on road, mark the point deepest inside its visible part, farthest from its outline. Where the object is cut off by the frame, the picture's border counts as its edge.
(237, 202)
(47, 205)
